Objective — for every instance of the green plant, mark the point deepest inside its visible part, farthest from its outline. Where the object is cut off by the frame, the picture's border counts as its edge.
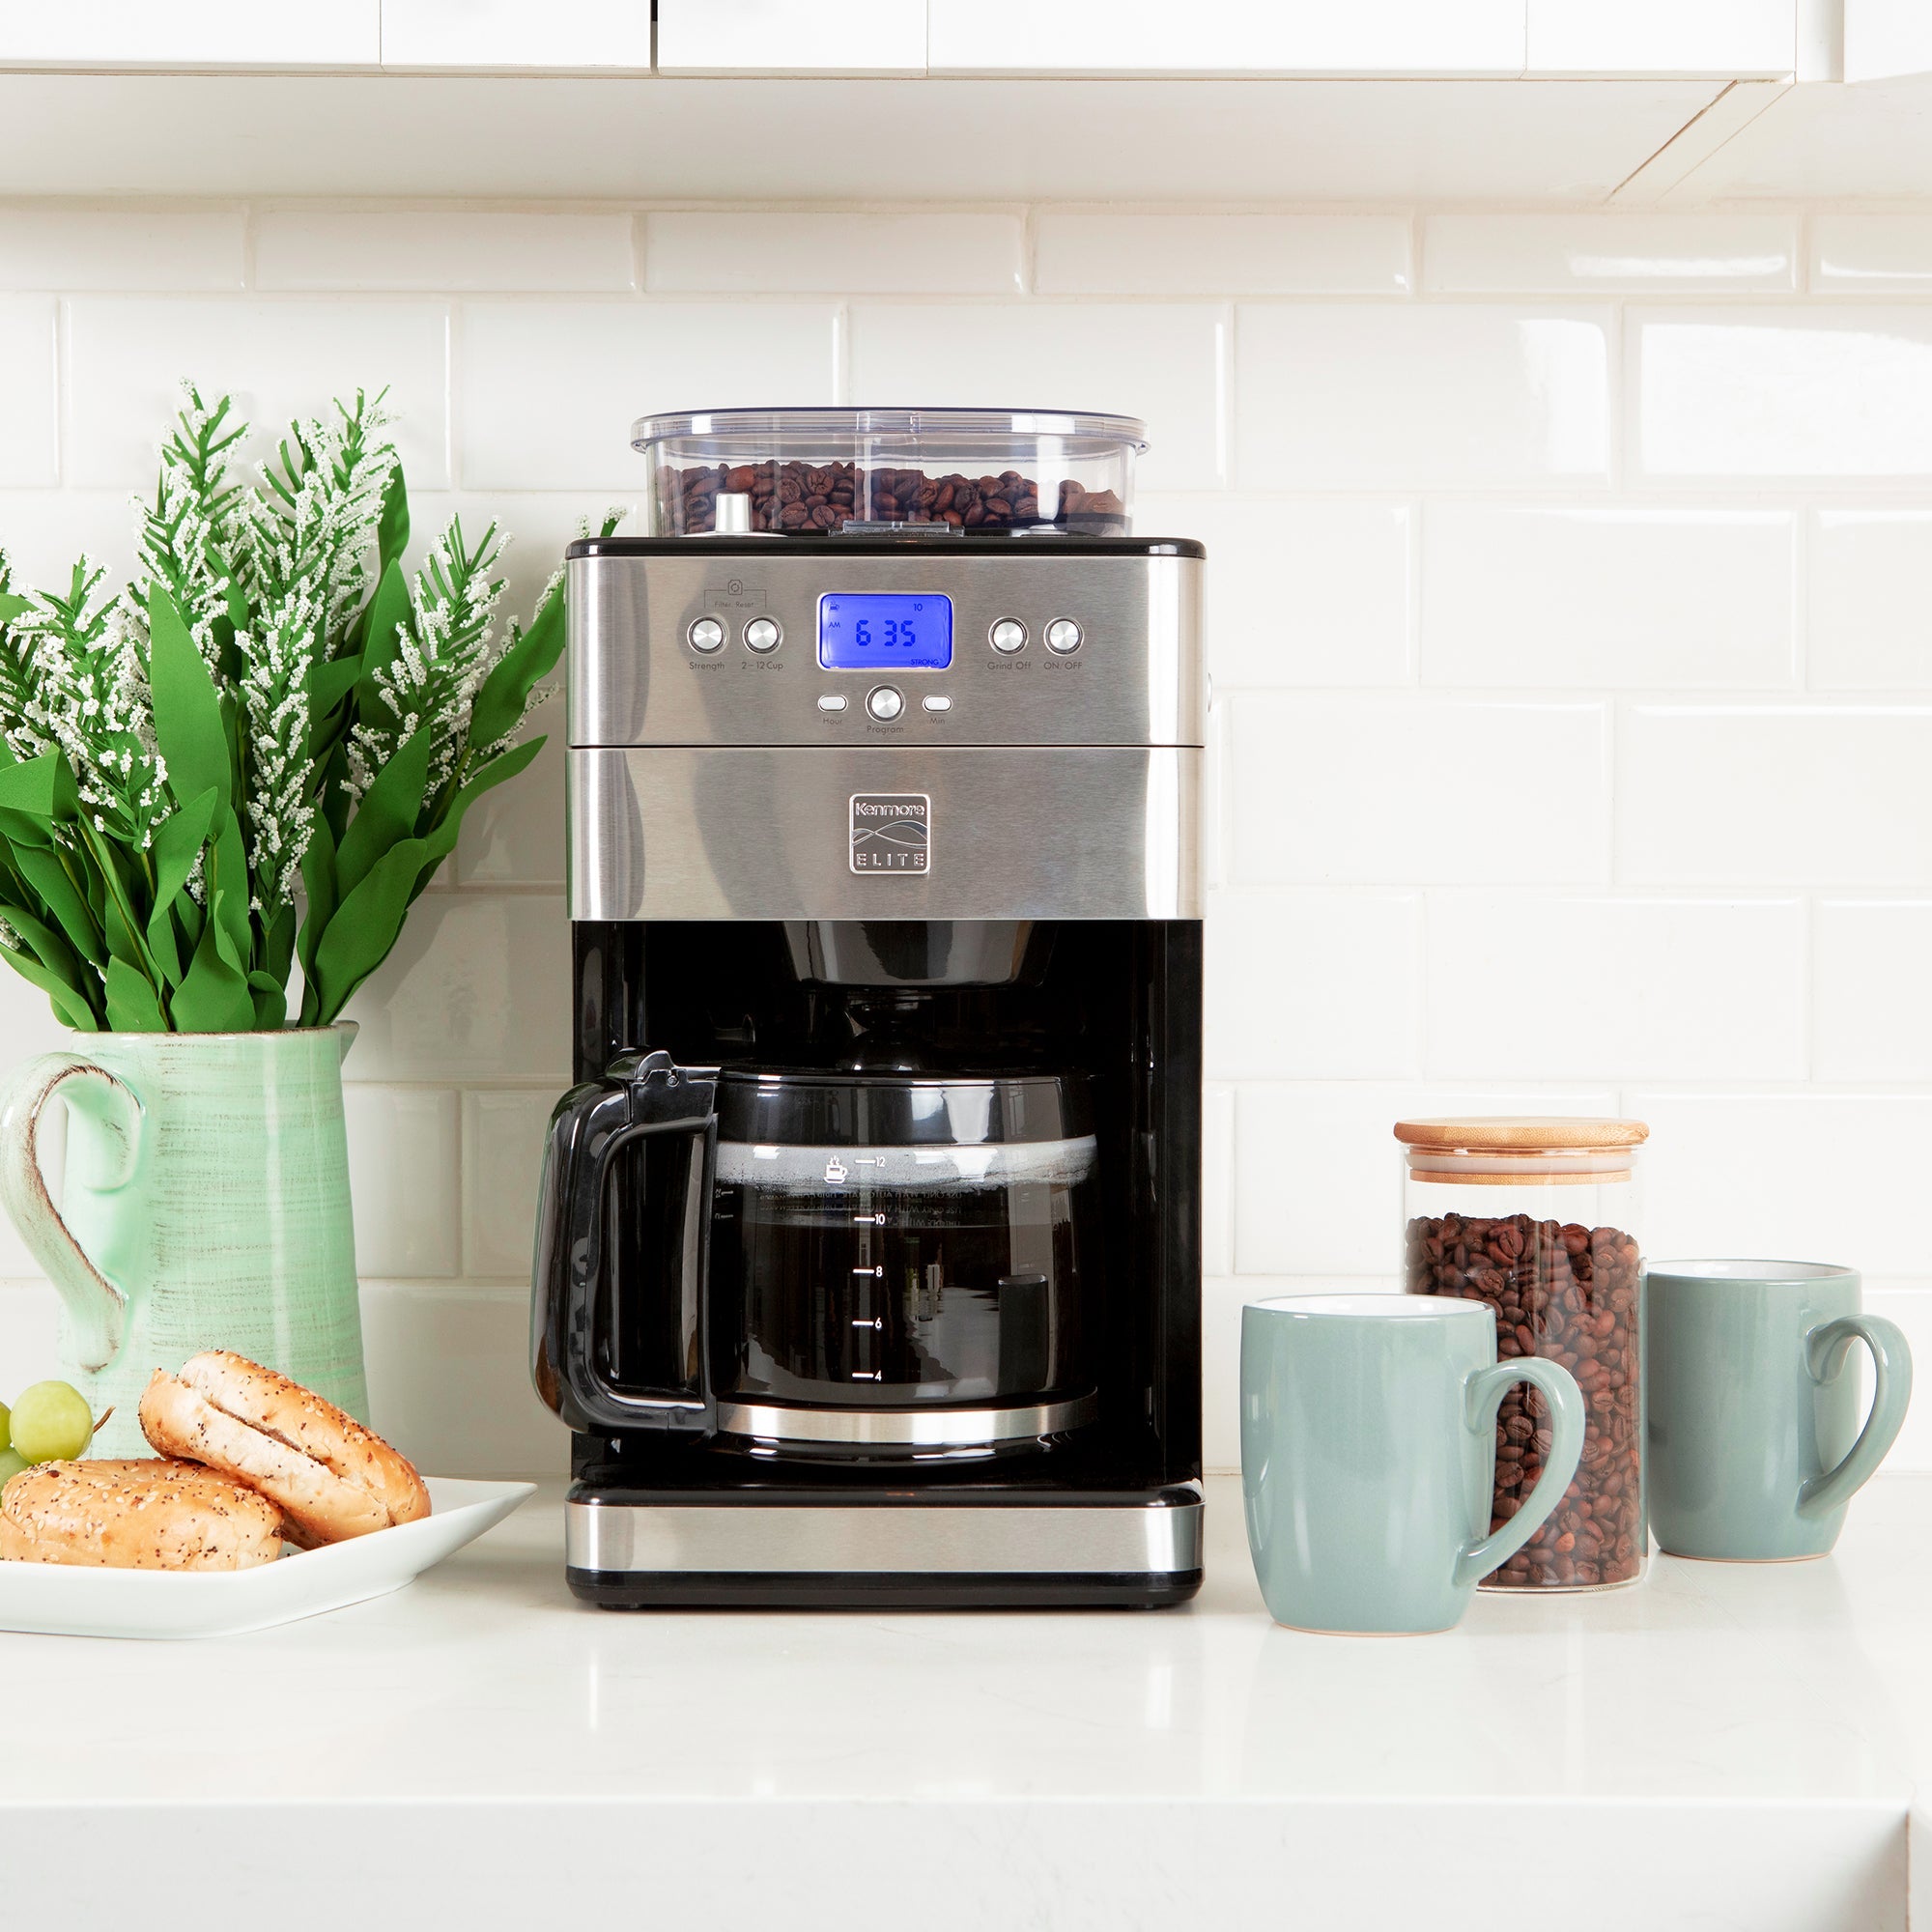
(259, 751)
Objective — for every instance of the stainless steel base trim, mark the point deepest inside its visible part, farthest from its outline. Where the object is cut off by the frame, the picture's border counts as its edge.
(1134, 1539)
(909, 1428)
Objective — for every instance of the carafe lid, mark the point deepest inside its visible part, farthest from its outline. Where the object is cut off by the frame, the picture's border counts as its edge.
(783, 1108)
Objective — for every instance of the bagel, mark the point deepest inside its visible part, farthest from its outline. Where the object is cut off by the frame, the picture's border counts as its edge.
(332, 1478)
(136, 1515)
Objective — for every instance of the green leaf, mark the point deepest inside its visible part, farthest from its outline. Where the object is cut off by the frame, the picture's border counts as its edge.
(318, 889)
(132, 1003)
(11, 607)
(388, 813)
(41, 869)
(365, 927)
(188, 721)
(228, 884)
(178, 843)
(68, 1003)
(215, 996)
(329, 684)
(505, 695)
(390, 614)
(504, 766)
(392, 532)
(42, 787)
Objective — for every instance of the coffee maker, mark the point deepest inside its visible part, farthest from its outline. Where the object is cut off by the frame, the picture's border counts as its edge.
(869, 1265)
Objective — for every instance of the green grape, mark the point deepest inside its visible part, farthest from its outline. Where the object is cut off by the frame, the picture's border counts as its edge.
(51, 1423)
(6, 1434)
(12, 1463)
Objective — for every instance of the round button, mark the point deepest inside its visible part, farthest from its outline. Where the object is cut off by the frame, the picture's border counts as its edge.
(761, 634)
(1008, 635)
(705, 634)
(1063, 635)
(884, 704)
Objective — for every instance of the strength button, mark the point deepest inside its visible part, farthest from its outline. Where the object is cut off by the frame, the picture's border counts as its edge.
(705, 634)
(883, 702)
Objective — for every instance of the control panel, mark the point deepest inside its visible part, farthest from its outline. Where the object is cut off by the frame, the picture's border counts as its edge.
(759, 640)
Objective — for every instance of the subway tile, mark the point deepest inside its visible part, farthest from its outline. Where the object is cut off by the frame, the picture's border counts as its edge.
(1298, 593)
(1581, 986)
(1874, 964)
(1097, 251)
(549, 390)
(1800, 392)
(1317, 1178)
(1600, 594)
(502, 1160)
(1352, 396)
(803, 251)
(1394, 788)
(49, 245)
(449, 1380)
(124, 34)
(1599, 254)
(29, 1334)
(791, 37)
(278, 357)
(1218, 1178)
(44, 531)
(29, 404)
(511, 34)
(1797, 1177)
(514, 835)
(1774, 795)
(1871, 254)
(452, 249)
(402, 1178)
(1309, 985)
(1158, 362)
(1870, 620)
(478, 988)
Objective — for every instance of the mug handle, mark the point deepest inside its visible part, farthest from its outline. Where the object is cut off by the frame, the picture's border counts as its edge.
(1825, 1351)
(1482, 1395)
(97, 1308)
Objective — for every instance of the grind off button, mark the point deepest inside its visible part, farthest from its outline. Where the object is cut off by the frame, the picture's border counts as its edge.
(705, 634)
(1008, 635)
(883, 702)
(1063, 636)
(761, 634)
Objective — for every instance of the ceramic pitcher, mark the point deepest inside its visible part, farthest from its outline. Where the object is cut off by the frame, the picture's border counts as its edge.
(206, 1205)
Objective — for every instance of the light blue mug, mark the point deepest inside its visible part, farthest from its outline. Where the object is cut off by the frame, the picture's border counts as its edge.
(1368, 1456)
(1754, 1439)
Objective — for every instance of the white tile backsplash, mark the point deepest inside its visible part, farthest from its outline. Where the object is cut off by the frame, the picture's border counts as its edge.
(1159, 361)
(280, 358)
(714, 250)
(547, 390)
(1349, 396)
(1595, 595)
(1597, 254)
(1403, 789)
(1821, 392)
(1567, 615)
(444, 249)
(1774, 795)
(1081, 252)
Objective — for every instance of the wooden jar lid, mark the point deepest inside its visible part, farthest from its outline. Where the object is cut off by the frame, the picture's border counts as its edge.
(1521, 1134)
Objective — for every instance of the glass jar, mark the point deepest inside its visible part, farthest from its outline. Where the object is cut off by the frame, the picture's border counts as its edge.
(814, 473)
(1538, 1218)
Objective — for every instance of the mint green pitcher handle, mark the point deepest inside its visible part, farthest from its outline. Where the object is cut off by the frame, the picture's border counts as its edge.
(1826, 1349)
(97, 1308)
(1482, 1395)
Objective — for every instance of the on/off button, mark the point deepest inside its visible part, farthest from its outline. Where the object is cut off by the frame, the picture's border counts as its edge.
(885, 703)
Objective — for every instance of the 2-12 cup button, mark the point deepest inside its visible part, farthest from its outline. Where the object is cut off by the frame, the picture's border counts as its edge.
(705, 634)
(761, 634)
(883, 702)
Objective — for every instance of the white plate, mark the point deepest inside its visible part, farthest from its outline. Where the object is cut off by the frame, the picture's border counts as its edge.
(66, 1600)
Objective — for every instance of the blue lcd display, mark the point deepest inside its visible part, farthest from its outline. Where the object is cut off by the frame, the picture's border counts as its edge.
(884, 633)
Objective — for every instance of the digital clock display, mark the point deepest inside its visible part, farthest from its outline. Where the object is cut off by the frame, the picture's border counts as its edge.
(884, 633)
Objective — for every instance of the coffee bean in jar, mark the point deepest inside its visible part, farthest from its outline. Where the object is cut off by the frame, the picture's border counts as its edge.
(796, 499)
(1535, 1218)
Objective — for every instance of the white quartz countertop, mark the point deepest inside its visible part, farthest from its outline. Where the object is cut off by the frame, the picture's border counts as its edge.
(1723, 1745)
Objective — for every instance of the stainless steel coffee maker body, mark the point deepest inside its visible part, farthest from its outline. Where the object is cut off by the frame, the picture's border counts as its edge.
(869, 1261)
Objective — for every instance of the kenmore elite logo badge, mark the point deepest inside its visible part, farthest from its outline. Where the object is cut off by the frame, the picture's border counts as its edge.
(891, 830)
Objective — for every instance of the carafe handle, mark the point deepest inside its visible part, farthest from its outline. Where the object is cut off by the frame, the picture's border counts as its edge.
(642, 1093)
